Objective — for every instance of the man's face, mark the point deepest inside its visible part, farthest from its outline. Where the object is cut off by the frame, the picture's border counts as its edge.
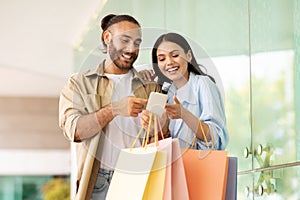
(124, 45)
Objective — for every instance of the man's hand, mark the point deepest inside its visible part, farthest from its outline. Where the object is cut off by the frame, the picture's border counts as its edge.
(128, 106)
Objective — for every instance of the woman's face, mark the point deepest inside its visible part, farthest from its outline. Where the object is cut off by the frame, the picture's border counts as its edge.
(173, 62)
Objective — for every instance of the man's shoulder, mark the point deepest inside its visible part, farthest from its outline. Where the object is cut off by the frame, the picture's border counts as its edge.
(86, 73)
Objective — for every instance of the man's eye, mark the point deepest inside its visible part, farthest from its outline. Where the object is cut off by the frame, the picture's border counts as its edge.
(125, 40)
(137, 44)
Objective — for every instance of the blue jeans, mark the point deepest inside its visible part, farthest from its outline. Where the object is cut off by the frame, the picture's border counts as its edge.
(102, 184)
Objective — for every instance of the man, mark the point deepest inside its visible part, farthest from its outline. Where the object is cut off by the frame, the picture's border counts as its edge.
(98, 107)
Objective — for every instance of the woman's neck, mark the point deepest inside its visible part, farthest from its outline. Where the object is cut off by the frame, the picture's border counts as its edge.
(181, 81)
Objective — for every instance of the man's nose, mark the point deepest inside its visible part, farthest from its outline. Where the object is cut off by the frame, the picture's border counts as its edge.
(130, 47)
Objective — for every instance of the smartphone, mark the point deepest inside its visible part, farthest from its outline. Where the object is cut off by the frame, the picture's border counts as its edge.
(156, 103)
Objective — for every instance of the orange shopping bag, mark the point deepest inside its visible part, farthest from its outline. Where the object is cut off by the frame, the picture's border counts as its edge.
(206, 173)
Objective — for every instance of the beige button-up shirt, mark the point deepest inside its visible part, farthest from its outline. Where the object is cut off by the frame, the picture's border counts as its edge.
(86, 93)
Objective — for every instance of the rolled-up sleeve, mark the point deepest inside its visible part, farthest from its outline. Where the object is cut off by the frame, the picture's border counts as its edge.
(71, 107)
(213, 114)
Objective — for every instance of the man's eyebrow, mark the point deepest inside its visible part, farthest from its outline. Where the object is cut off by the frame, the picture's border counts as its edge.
(129, 37)
(124, 35)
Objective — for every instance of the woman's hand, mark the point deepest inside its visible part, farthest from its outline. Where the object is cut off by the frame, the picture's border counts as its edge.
(147, 74)
(174, 111)
(145, 117)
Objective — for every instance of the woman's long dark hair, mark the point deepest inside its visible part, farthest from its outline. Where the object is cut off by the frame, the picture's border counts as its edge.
(193, 66)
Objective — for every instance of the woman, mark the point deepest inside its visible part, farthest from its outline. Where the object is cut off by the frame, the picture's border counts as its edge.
(195, 106)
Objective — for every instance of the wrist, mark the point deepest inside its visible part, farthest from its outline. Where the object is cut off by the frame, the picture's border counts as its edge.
(105, 114)
(114, 109)
(184, 113)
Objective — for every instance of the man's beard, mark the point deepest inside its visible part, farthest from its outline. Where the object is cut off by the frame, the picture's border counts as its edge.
(116, 55)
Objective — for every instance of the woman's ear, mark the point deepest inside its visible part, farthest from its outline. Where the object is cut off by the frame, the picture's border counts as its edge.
(189, 56)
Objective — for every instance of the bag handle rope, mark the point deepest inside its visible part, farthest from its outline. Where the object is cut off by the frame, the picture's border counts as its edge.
(146, 136)
(204, 136)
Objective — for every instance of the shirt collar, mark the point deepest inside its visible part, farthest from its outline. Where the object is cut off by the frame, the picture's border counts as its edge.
(99, 71)
(189, 95)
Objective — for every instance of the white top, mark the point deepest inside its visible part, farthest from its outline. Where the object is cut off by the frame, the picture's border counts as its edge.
(121, 131)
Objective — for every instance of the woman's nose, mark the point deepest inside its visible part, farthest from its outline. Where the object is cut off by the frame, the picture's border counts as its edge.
(169, 60)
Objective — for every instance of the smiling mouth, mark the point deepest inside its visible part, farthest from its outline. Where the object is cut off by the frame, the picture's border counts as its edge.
(172, 70)
(127, 57)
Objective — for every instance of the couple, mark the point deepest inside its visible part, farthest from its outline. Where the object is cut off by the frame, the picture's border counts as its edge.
(101, 110)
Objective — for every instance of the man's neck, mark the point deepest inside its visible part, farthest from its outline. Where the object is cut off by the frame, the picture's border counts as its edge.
(111, 68)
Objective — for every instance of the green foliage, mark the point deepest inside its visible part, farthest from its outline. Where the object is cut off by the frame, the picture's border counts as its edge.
(57, 189)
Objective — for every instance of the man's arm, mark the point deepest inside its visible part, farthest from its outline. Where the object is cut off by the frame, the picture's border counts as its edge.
(89, 125)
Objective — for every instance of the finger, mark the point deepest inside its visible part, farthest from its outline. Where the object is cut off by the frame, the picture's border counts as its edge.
(144, 121)
(176, 100)
(167, 106)
(145, 76)
(145, 113)
(170, 115)
(136, 110)
(135, 101)
(133, 112)
(152, 72)
(170, 106)
(148, 75)
(140, 101)
(137, 106)
(144, 118)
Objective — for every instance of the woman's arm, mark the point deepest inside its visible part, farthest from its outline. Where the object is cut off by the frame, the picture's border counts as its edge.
(176, 111)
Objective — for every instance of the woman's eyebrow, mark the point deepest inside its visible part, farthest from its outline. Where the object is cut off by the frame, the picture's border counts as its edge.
(175, 50)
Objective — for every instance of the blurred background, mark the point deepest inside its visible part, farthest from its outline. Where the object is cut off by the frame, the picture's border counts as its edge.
(252, 47)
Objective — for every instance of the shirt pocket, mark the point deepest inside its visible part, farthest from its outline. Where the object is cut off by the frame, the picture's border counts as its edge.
(92, 102)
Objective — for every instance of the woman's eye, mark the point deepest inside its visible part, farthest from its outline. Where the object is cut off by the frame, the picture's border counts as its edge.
(161, 59)
(175, 55)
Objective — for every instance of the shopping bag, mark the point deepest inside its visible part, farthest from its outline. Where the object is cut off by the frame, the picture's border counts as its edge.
(175, 182)
(175, 187)
(139, 173)
(165, 145)
(231, 187)
(179, 184)
(206, 172)
(132, 174)
(206, 176)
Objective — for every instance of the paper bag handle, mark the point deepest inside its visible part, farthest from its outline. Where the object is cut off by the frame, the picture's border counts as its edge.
(204, 136)
(146, 136)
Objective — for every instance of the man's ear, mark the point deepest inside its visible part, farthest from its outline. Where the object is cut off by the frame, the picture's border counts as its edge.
(106, 36)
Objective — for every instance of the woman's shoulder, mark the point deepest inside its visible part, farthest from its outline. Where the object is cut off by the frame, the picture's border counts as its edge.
(201, 79)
